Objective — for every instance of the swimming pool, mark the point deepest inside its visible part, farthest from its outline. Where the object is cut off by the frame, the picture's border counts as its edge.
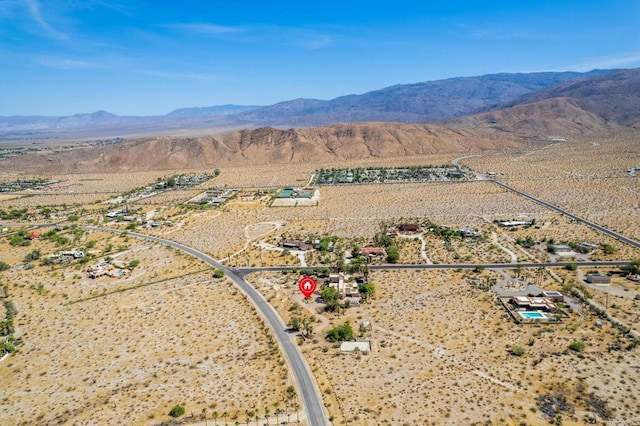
(531, 315)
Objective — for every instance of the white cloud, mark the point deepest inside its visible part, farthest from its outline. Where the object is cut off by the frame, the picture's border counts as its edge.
(631, 59)
(182, 76)
(64, 63)
(36, 15)
(304, 37)
(210, 29)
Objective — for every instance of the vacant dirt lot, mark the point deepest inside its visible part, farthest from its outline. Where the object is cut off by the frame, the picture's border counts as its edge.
(103, 350)
(588, 177)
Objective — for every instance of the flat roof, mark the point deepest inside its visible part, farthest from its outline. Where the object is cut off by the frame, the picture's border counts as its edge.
(352, 346)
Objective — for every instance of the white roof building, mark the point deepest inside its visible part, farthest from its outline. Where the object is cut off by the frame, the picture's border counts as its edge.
(352, 346)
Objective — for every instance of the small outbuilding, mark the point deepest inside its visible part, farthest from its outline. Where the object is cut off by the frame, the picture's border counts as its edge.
(346, 347)
(34, 234)
(598, 279)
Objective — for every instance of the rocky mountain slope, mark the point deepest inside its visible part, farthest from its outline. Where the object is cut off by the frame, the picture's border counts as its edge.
(259, 146)
(602, 103)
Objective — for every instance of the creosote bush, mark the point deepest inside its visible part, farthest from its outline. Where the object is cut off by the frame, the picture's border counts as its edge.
(177, 411)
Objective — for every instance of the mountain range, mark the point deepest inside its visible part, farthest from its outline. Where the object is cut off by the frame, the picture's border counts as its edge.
(426, 102)
(598, 103)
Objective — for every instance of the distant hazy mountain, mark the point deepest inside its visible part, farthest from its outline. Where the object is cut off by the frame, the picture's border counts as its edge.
(603, 102)
(431, 101)
(209, 111)
(416, 103)
(100, 120)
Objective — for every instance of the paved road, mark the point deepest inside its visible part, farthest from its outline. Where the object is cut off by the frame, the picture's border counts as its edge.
(615, 263)
(310, 394)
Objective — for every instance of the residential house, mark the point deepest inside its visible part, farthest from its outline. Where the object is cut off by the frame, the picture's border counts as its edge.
(514, 223)
(534, 303)
(561, 249)
(296, 245)
(343, 286)
(409, 227)
(587, 247)
(556, 296)
(373, 251)
(470, 233)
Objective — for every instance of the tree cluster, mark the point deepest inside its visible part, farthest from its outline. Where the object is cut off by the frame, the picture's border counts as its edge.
(341, 333)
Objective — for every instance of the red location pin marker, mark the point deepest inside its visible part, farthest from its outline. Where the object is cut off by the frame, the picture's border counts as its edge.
(307, 286)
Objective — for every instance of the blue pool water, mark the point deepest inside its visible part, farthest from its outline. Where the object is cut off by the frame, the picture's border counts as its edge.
(535, 315)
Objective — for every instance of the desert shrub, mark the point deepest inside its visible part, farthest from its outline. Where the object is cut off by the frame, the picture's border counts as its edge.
(34, 255)
(517, 350)
(19, 240)
(177, 411)
(393, 255)
(608, 249)
(577, 346)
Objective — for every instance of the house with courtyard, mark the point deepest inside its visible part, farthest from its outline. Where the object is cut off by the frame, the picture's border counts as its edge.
(344, 286)
(534, 303)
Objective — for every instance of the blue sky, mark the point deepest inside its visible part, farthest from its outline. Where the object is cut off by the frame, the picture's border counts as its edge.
(62, 57)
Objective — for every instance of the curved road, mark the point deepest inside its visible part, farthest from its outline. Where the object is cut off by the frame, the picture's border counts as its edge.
(313, 405)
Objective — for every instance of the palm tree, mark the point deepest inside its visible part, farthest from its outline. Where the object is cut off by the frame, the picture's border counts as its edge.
(225, 415)
(297, 408)
(308, 327)
(204, 414)
(276, 406)
(267, 410)
(215, 418)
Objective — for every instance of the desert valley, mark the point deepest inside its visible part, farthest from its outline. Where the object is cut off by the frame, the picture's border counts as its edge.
(479, 268)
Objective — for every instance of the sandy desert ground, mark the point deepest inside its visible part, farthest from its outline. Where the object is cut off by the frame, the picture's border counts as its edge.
(110, 350)
(586, 176)
(441, 355)
(168, 333)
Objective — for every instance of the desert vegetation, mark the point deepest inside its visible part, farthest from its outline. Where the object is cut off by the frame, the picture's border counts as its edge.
(174, 336)
(432, 350)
